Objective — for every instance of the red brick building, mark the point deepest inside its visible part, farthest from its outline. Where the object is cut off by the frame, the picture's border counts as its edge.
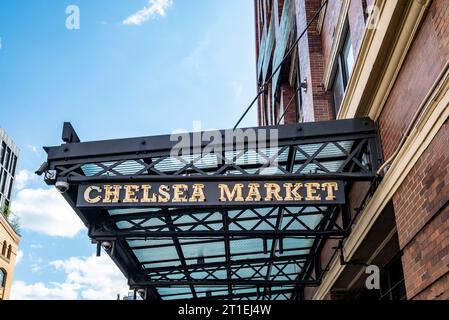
(387, 60)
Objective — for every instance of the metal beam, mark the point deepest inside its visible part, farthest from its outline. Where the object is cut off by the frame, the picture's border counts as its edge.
(245, 295)
(180, 255)
(227, 250)
(231, 263)
(188, 212)
(136, 235)
(219, 282)
(353, 176)
(300, 132)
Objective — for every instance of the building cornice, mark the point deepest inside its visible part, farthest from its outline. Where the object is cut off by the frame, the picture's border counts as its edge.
(7, 227)
(4, 136)
(435, 113)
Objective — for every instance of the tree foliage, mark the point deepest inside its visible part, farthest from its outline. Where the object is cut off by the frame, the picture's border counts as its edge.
(14, 220)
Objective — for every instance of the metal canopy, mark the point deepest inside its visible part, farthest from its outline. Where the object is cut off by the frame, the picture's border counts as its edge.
(261, 251)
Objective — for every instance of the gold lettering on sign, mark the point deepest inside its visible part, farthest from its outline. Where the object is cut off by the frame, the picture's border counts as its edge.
(164, 195)
(130, 194)
(198, 193)
(179, 194)
(111, 194)
(273, 190)
(330, 187)
(254, 192)
(291, 192)
(311, 191)
(88, 192)
(147, 197)
(227, 195)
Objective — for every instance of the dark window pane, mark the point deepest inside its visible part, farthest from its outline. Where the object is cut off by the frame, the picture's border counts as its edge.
(392, 281)
(11, 182)
(2, 152)
(348, 57)
(338, 89)
(7, 155)
(2, 177)
(2, 278)
(13, 167)
(2, 189)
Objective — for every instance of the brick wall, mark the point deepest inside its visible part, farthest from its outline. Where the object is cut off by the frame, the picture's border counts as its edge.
(421, 202)
(317, 101)
(329, 25)
(304, 58)
(356, 20)
(288, 105)
(424, 62)
(422, 214)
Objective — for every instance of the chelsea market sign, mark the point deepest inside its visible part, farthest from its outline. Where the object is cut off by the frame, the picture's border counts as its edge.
(204, 194)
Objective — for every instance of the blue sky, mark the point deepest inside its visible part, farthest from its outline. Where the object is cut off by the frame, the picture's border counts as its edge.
(117, 76)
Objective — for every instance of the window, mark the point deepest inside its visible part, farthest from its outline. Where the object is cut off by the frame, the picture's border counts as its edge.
(2, 177)
(392, 285)
(4, 247)
(11, 182)
(7, 157)
(365, 10)
(2, 278)
(2, 153)
(8, 255)
(3, 182)
(345, 63)
(13, 165)
(338, 89)
(347, 57)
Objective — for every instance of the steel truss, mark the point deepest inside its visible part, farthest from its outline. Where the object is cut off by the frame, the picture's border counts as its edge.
(286, 238)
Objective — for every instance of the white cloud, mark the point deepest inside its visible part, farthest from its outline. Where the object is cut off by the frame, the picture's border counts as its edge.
(36, 246)
(35, 268)
(154, 8)
(23, 177)
(34, 149)
(40, 291)
(19, 256)
(45, 211)
(99, 276)
(91, 278)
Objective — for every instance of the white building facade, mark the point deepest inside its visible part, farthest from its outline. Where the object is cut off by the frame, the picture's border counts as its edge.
(9, 154)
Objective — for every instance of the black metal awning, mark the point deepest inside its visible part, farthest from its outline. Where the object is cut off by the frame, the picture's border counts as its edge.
(257, 247)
